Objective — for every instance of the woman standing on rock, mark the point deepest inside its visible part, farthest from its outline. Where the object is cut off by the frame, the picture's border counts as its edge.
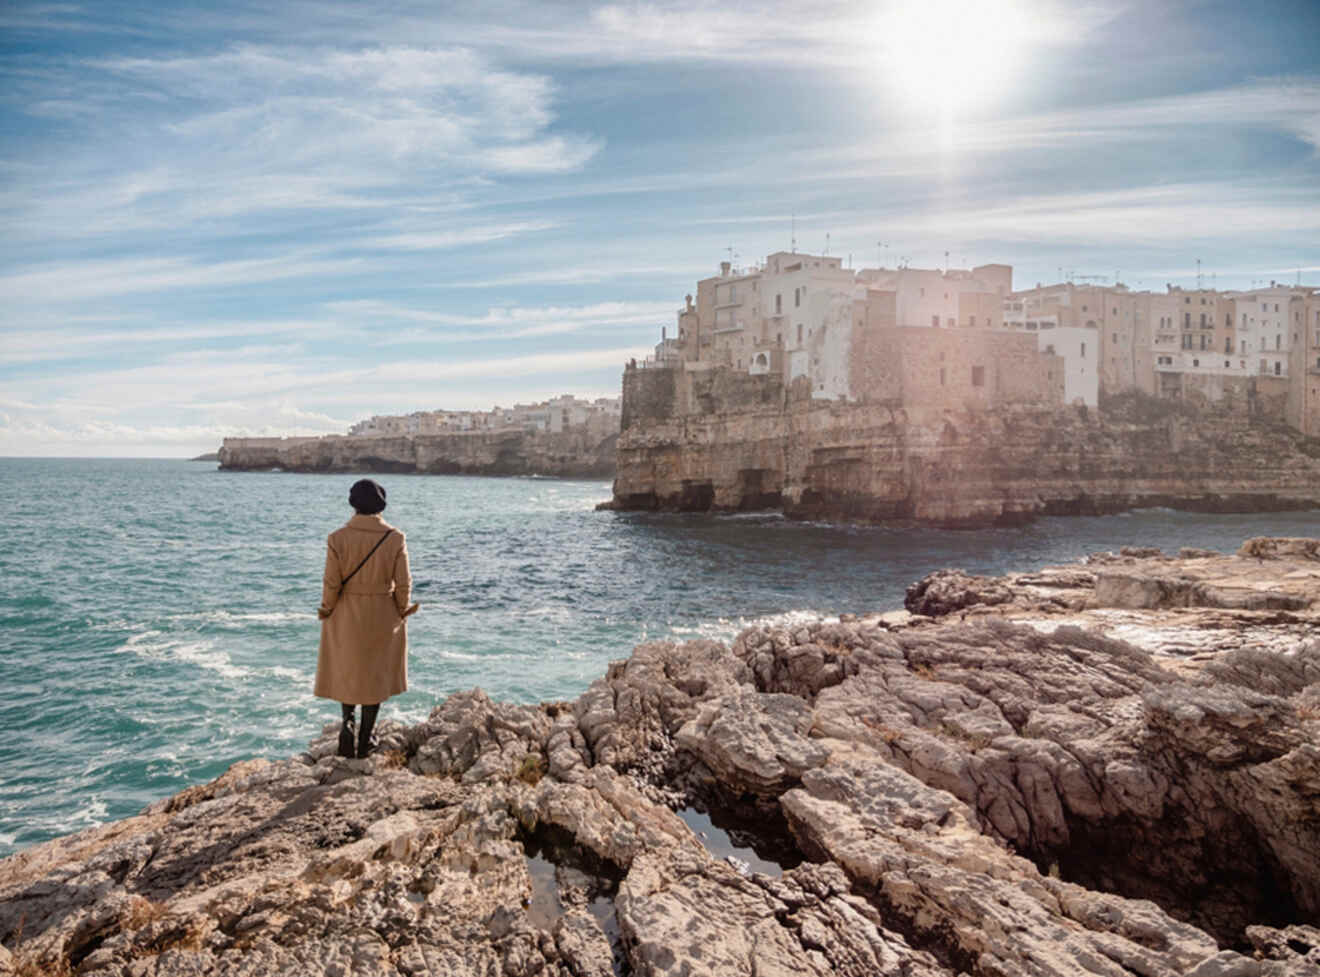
(363, 658)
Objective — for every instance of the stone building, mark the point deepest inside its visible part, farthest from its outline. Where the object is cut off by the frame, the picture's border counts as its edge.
(798, 315)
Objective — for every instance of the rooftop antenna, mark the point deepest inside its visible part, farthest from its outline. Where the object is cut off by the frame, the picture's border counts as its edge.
(1198, 274)
(827, 242)
(792, 241)
(730, 250)
(880, 251)
(946, 262)
(849, 259)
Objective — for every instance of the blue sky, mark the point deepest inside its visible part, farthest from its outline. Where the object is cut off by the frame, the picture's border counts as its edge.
(222, 218)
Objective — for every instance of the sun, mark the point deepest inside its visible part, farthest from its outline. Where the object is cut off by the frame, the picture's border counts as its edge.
(950, 56)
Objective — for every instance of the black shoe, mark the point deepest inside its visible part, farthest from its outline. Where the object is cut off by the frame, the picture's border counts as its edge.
(346, 738)
(364, 743)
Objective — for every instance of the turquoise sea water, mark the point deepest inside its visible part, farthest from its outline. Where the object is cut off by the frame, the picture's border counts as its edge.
(157, 618)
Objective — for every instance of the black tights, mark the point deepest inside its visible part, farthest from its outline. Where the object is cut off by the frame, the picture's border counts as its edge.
(368, 722)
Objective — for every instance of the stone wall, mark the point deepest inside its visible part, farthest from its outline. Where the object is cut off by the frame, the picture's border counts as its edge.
(583, 453)
(648, 394)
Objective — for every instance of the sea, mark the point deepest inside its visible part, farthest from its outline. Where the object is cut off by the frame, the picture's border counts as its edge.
(158, 617)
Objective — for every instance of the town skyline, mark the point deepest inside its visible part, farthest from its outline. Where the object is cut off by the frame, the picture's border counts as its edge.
(237, 221)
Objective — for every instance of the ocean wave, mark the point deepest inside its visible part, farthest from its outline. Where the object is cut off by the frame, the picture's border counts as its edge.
(229, 617)
(726, 629)
(283, 671)
(203, 654)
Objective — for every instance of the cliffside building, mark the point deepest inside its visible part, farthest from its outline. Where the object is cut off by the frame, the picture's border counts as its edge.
(807, 317)
(563, 413)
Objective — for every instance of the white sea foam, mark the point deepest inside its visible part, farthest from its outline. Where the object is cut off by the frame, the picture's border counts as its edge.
(228, 617)
(91, 814)
(726, 629)
(552, 612)
(203, 654)
(137, 639)
(7, 839)
(283, 671)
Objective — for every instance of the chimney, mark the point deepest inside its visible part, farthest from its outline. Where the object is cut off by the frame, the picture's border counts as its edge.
(724, 269)
(689, 302)
(662, 333)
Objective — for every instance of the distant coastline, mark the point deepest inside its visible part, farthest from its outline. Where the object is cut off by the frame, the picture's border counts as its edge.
(208, 456)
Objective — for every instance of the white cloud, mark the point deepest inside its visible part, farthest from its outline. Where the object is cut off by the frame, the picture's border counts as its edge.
(253, 130)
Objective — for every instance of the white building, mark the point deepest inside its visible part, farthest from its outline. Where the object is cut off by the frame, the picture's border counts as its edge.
(1267, 321)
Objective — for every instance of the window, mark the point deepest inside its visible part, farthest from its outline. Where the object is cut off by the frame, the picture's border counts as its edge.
(1083, 350)
(779, 304)
(935, 321)
(1187, 320)
(1277, 340)
(941, 376)
(1276, 368)
(1228, 345)
(1115, 337)
(971, 320)
(1083, 308)
(1115, 310)
(1226, 364)
(1202, 320)
(1187, 300)
(799, 334)
(950, 322)
(797, 298)
(1196, 362)
(978, 376)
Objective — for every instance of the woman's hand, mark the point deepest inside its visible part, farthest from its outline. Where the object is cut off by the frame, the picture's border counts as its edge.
(322, 613)
(412, 609)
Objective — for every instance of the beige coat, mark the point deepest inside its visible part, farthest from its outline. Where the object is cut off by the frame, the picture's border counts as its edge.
(364, 639)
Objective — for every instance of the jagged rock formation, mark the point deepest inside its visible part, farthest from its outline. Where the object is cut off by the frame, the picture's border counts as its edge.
(988, 787)
(731, 449)
(579, 453)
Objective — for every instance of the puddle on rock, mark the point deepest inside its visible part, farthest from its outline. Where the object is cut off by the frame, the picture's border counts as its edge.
(763, 847)
(554, 859)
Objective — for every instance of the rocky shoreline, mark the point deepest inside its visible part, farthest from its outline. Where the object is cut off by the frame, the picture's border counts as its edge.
(586, 452)
(1110, 768)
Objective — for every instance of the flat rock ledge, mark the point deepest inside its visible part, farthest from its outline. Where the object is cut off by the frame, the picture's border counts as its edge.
(1105, 769)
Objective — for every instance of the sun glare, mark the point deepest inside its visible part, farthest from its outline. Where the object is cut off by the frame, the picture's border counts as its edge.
(947, 56)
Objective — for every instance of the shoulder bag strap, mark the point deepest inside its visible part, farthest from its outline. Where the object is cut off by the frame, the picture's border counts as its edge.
(343, 583)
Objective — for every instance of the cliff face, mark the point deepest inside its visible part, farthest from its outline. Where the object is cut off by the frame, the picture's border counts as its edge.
(947, 466)
(570, 454)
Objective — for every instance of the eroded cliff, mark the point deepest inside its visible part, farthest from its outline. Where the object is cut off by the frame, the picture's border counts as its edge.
(1105, 769)
(714, 446)
(584, 453)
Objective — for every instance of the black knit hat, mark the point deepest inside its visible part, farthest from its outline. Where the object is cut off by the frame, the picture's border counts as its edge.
(367, 497)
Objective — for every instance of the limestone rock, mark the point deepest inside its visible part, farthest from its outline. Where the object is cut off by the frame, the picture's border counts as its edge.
(1051, 787)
